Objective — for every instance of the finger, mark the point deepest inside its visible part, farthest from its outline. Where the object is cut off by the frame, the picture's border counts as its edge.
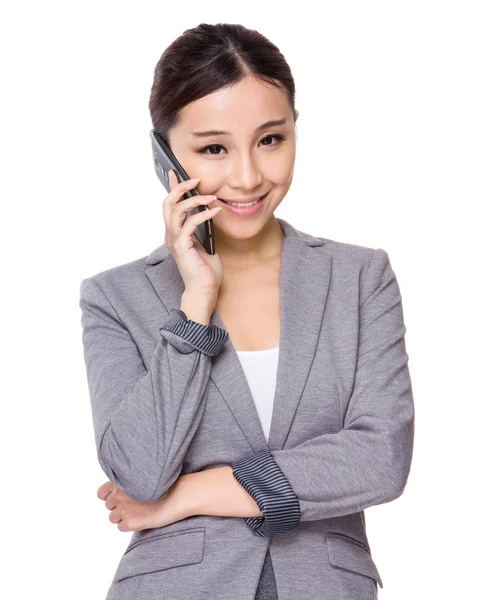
(178, 188)
(104, 490)
(175, 196)
(111, 502)
(172, 179)
(192, 222)
(115, 516)
(178, 213)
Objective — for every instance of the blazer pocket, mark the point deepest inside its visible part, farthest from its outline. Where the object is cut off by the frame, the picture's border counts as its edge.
(160, 552)
(347, 553)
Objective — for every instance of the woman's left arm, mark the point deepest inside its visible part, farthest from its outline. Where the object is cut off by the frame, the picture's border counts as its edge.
(368, 461)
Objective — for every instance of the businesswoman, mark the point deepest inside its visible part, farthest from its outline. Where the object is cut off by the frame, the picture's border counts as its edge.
(248, 406)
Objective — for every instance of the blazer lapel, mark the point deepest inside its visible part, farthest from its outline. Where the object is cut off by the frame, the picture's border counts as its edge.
(304, 282)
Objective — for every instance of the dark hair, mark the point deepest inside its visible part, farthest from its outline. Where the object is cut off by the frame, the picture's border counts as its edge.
(210, 57)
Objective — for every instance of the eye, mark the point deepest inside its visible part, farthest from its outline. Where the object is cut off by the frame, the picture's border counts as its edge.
(277, 136)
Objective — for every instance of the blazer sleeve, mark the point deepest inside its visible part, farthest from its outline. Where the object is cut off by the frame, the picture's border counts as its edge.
(368, 461)
(144, 420)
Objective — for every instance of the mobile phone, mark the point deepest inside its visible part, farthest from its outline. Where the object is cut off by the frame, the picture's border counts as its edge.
(164, 160)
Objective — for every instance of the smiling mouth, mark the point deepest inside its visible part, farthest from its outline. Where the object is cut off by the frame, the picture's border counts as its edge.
(241, 204)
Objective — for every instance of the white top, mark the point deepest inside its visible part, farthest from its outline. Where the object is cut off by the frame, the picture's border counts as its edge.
(260, 368)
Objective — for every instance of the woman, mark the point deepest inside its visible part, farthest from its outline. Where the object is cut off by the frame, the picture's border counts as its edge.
(243, 453)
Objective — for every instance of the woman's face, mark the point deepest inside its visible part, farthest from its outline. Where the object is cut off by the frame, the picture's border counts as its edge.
(247, 161)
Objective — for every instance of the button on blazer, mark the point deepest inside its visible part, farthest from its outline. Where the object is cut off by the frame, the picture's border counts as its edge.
(169, 397)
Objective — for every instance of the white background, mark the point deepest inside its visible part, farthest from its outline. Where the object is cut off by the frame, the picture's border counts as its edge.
(393, 151)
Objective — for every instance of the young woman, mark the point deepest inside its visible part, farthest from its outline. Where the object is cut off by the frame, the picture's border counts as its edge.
(250, 405)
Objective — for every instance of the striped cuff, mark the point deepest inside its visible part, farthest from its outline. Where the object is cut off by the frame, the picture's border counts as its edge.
(187, 335)
(262, 479)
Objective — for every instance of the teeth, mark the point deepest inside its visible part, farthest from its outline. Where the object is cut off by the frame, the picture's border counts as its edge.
(242, 204)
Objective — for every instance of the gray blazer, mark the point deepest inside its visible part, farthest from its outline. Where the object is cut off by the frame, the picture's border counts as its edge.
(169, 396)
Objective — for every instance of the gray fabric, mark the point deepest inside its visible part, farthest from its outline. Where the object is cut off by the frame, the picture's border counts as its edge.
(342, 425)
(266, 589)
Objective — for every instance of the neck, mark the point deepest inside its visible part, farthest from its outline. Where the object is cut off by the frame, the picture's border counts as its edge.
(263, 247)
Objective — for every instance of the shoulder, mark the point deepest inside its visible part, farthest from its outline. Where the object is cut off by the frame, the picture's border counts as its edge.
(354, 266)
(346, 254)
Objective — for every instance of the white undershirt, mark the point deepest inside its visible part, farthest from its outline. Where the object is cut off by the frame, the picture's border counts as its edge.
(260, 368)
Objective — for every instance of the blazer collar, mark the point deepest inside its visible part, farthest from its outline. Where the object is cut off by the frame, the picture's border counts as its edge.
(304, 282)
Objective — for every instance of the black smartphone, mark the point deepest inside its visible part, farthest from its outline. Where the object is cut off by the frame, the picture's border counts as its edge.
(164, 160)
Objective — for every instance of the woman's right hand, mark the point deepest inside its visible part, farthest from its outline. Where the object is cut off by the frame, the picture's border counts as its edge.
(201, 272)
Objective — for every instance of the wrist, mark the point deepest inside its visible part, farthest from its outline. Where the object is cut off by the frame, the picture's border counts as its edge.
(216, 492)
(197, 308)
(188, 499)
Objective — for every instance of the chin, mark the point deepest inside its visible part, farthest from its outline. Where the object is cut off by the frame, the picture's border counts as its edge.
(239, 230)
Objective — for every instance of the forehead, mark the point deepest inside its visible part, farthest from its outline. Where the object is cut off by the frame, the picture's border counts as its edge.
(245, 105)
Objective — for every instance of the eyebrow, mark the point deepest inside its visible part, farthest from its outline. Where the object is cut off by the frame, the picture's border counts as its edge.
(215, 132)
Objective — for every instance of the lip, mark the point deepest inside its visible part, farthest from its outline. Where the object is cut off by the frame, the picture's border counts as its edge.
(244, 200)
(247, 210)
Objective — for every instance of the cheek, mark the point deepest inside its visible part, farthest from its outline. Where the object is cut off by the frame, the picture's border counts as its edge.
(282, 177)
(281, 171)
(211, 177)
(208, 172)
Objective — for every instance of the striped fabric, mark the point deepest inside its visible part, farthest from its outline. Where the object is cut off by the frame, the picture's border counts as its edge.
(262, 479)
(209, 339)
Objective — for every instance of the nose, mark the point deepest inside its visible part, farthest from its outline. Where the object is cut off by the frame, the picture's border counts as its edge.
(245, 175)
